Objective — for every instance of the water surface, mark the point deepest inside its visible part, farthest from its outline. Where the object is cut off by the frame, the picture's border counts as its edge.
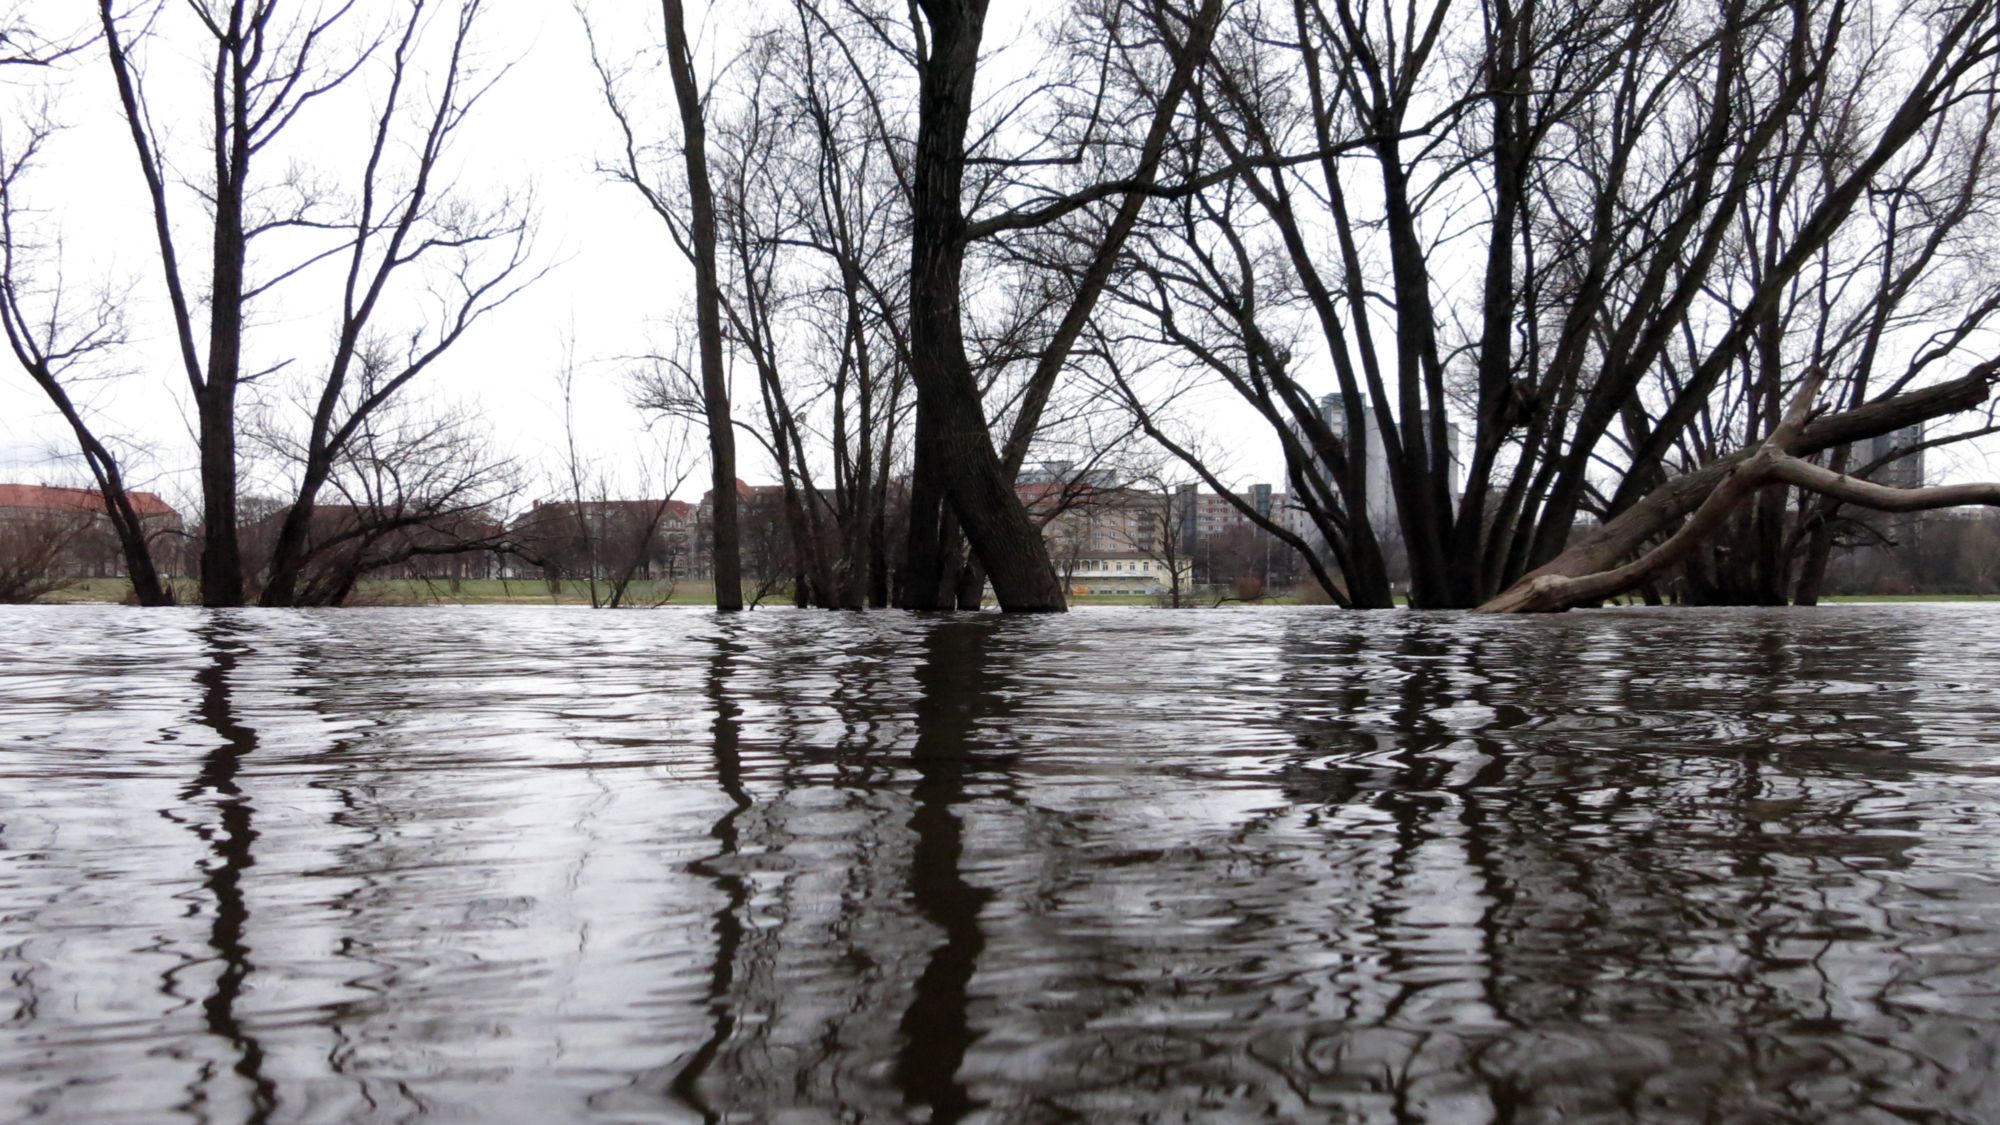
(545, 865)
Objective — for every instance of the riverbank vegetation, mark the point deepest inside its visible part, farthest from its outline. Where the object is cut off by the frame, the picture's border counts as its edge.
(1549, 302)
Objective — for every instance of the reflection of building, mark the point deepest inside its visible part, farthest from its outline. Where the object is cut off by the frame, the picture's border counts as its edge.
(91, 549)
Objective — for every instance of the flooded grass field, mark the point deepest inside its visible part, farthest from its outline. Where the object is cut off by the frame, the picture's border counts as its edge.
(514, 864)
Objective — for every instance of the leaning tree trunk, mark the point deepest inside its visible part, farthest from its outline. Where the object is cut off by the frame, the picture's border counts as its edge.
(1590, 572)
(955, 456)
(147, 587)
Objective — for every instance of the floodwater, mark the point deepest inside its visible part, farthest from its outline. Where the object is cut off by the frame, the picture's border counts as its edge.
(549, 865)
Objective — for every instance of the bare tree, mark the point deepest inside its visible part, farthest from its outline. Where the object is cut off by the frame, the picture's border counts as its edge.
(604, 542)
(708, 311)
(1591, 571)
(61, 343)
(24, 42)
(35, 549)
(1651, 189)
(269, 67)
(692, 225)
(1163, 533)
(850, 188)
(415, 481)
(955, 461)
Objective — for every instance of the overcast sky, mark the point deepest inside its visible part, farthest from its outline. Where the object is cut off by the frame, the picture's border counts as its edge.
(614, 273)
(614, 282)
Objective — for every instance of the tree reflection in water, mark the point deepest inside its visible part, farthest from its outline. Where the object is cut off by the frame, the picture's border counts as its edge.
(229, 838)
(728, 928)
(964, 684)
(790, 1015)
(1117, 866)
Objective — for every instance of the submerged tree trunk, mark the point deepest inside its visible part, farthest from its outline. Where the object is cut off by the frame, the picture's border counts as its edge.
(221, 551)
(956, 465)
(726, 544)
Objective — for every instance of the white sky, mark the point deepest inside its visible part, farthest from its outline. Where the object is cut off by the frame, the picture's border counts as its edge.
(615, 280)
(615, 274)
(615, 283)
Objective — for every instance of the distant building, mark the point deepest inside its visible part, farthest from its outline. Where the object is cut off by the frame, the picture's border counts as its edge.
(1378, 487)
(763, 535)
(1904, 472)
(1066, 474)
(1105, 538)
(92, 550)
(652, 538)
(1206, 515)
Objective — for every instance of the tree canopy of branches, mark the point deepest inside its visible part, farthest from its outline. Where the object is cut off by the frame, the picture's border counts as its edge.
(1613, 236)
(415, 261)
(1525, 293)
(857, 171)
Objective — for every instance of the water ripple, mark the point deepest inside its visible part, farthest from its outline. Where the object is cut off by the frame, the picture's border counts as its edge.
(545, 864)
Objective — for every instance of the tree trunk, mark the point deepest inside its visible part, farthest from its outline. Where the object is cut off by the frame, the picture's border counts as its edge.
(222, 553)
(221, 550)
(726, 547)
(955, 447)
(1819, 552)
(290, 552)
(147, 588)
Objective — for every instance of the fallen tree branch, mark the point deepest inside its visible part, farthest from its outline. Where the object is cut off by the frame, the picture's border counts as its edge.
(1881, 497)
(1589, 572)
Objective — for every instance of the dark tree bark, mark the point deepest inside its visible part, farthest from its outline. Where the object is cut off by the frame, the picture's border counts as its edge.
(955, 460)
(726, 548)
(1618, 164)
(238, 36)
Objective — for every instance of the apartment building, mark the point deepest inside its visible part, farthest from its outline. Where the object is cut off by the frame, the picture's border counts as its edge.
(90, 547)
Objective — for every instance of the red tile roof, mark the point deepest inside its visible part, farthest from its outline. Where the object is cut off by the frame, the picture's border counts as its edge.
(44, 498)
(746, 491)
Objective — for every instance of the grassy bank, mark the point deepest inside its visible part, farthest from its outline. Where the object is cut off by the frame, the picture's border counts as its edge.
(1914, 598)
(525, 591)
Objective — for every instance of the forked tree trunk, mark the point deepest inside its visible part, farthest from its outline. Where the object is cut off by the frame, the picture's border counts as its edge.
(955, 460)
